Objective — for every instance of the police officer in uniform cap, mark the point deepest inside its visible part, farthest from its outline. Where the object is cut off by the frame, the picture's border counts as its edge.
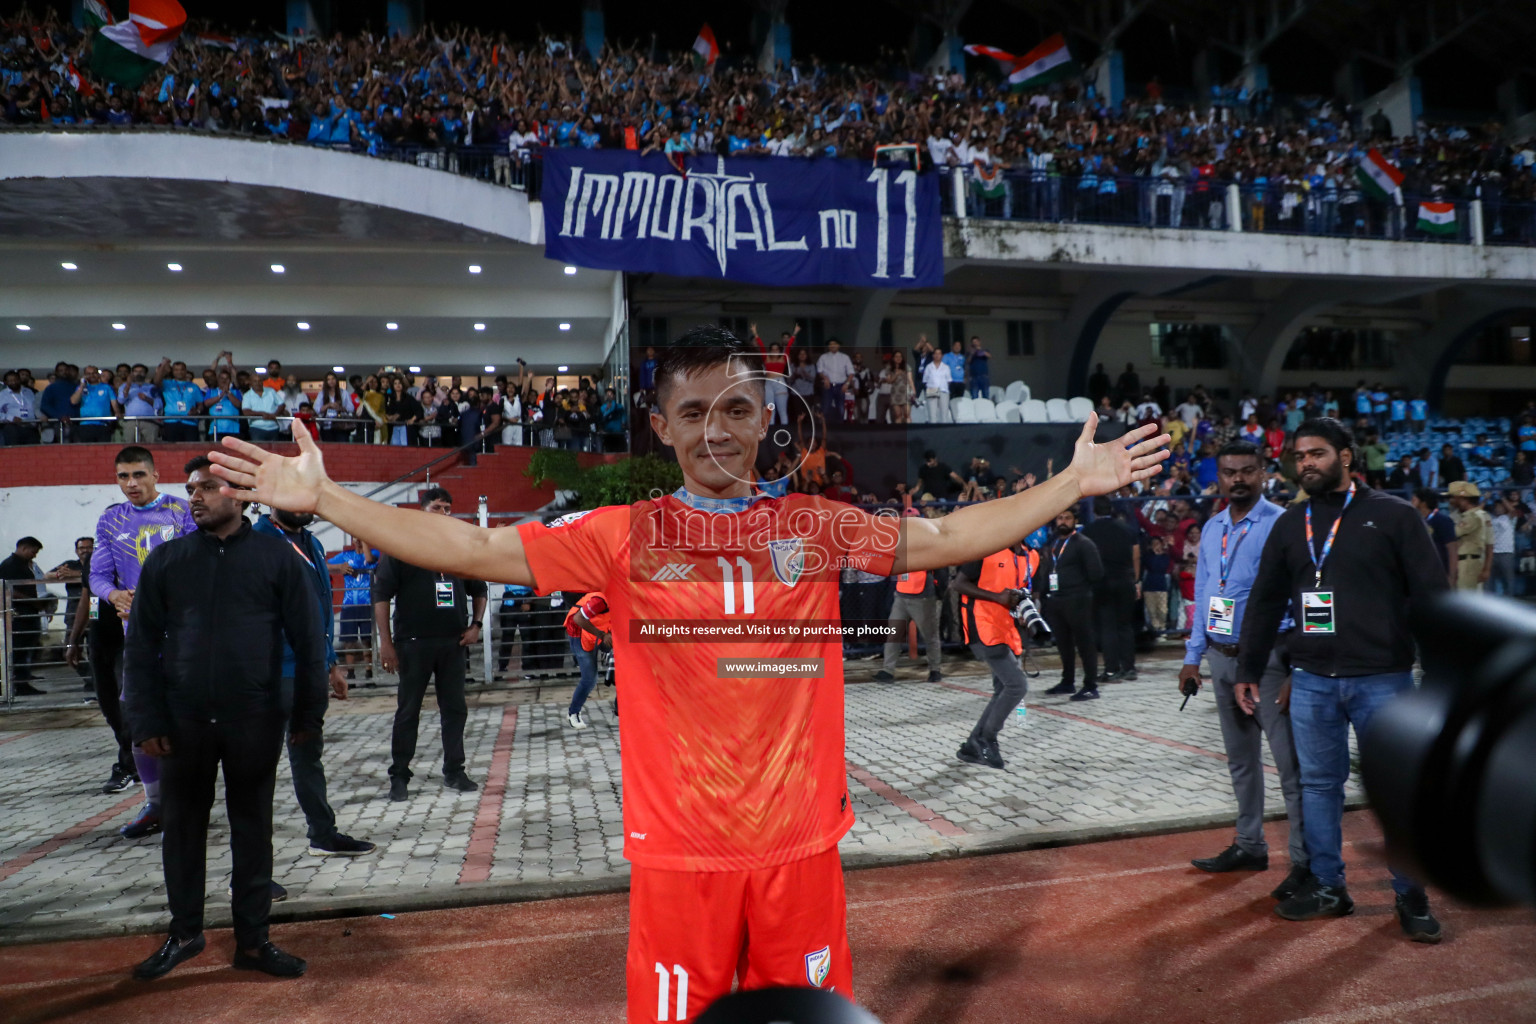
(1474, 536)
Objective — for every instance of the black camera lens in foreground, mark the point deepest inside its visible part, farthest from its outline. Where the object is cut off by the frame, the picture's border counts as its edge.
(1450, 768)
(785, 1006)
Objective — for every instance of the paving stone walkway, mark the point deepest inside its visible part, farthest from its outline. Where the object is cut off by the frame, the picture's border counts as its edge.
(546, 820)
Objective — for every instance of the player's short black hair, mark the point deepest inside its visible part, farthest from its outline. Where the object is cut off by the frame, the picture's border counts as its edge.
(1329, 429)
(133, 455)
(702, 348)
(1428, 495)
(1238, 449)
(195, 463)
(432, 494)
(79, 539)
(29, 542)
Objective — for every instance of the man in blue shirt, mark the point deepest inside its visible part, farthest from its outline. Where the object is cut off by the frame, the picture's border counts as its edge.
(1399, 413)
(1230, 547)
(981, 369)
(1418, 414)
(358, 563)
(304, 751)
(955, 360)
(140, 399)
(96, 399)
(1429, 470)
(180, 395)
(53, 405)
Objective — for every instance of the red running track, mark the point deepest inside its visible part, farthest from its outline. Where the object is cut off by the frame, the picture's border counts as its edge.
(1115, 931)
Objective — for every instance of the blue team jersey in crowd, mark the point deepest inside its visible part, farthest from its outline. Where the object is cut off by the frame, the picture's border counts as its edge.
(360, 583)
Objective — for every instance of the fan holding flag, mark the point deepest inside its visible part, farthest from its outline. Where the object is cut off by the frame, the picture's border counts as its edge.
(706, 47)
(135, 40)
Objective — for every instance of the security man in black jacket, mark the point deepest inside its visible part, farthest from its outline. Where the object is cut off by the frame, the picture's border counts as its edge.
(1070, 569)
(1351, 562)
(203, 670)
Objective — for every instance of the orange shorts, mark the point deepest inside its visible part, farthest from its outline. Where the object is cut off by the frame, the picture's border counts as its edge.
(692, 932)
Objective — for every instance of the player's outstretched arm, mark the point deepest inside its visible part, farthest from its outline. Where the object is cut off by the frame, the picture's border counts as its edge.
(299, 484)
(980, 530)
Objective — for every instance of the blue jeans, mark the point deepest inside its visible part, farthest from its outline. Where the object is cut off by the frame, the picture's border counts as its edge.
(586, 661)
(981, 385)
(1322, 710)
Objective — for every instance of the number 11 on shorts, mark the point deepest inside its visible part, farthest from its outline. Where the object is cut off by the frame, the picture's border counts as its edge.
(663, 986)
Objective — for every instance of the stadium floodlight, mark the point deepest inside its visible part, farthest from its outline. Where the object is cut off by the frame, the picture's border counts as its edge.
(414, 369)
(391, 326)
(490, 369)
(174, 268)
(278, 268)
(561, 369)
(565, 327)
(338, 369)
(303, 325)
(212, 325)
(23, 327)
(474, 268)
(570, 271)
(69, 266)
(258, 369)
(479, 327)
(119, 327)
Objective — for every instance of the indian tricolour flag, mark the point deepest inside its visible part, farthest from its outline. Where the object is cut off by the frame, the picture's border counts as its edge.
(129, 49)
(1046, 63)
(705, 45)
(1377, 175)
(1437, 218)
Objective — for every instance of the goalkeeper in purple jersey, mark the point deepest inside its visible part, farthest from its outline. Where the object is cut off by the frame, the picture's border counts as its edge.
(125, 535)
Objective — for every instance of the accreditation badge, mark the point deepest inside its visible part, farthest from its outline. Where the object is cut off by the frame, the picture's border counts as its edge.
(95, 607)
(1317, 611)
(444, 593)
(1054, 581)
(1223, 612)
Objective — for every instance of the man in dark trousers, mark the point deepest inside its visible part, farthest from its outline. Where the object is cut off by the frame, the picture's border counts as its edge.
(99, 639)
(429, 627)
(304, 758)
(26, 612)
(1352, 562)
(1116, 595)
(990, 589)
(203, 669)
(1069, 570)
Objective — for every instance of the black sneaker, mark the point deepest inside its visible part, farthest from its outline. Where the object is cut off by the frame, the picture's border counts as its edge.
(1233, 858)
(118, 781)
(935, 676)
(1293, 882)
(991, 756)
(1061, 690)
(168, 956)
(146, 823)
(459, 781)
(1413, 914)
(1128, 675)
(1086, 693)
(970, 752)
(270, 960)
(1315, 900)
(339, 845)
(26, 689)
(884, 677)
(397, 790)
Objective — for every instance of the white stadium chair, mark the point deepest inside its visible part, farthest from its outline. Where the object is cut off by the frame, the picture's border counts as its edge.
(1017, 392)
(1035, 411)
(997, 394)
(963, 410)
(1008, 412)
(1056, 410)
(986, 412)
(1080, 409)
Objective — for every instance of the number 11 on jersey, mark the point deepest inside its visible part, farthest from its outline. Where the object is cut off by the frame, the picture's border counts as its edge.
(664, 984)
(728, 581)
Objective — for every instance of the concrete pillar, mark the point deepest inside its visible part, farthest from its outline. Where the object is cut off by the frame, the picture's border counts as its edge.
(950, 54)
(1402, 102)
(593, 34)
(866, 314)
(1109, 79)
(309, 17)
(403, 17)
(1254, 76)
(1234, 208)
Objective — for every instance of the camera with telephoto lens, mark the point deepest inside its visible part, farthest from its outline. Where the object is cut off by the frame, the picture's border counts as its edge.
(1029, 618)
(1449, 766)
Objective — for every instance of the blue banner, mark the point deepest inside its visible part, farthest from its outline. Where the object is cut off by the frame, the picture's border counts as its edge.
(759, 219)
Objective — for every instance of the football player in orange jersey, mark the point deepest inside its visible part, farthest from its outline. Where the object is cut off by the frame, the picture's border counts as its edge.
(731, 743)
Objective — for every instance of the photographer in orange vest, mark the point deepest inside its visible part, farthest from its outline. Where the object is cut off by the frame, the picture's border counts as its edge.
(917, 601)
(588, 625)
(990, 591)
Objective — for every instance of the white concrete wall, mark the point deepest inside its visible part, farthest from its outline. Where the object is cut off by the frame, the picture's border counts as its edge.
(437, 194)
(1106, 247)
(1399, 101)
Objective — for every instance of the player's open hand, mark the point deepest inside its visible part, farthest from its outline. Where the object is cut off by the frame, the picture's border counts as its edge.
(291, 483)
(1105, 468)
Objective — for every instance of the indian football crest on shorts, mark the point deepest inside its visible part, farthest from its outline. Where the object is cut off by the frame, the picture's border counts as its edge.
(788, 557)
(818, 965)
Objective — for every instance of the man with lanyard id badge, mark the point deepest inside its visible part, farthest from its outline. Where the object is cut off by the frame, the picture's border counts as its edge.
(1353, 562)
(1230, 547)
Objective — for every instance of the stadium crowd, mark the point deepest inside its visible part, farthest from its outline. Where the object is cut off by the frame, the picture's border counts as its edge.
(469, 100)
(137, 404)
